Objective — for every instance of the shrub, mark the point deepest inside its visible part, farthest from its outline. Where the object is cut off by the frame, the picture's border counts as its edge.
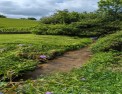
(112, 41)
(85, 28)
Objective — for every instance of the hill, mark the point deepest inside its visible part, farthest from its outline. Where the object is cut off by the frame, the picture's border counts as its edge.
(16, 25)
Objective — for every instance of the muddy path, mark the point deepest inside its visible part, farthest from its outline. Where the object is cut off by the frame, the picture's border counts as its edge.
(64, 63)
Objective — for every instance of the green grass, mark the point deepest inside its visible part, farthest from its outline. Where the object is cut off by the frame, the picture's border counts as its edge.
(16, 25)
(110, 42)
(20, 52)
(98, 76)
(9, 22)
(101, 75)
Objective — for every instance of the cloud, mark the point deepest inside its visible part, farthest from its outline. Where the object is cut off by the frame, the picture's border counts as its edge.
(39, 8)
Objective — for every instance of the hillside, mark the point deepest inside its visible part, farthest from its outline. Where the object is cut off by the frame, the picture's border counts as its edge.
(9, 22)
(16, 25)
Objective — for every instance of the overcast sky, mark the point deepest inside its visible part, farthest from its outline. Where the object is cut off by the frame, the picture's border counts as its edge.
(40, 8)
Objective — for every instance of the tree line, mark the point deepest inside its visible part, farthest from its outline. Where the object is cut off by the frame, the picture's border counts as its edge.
(109, 10)
(107, 19)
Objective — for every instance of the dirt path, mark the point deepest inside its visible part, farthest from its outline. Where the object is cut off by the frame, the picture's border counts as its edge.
(65, 63)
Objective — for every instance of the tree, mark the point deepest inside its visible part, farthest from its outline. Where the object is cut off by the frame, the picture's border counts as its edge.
(74, 16)
(2, 16)
(23, 18)
(31, 18)
(111, 8)
(62, 16)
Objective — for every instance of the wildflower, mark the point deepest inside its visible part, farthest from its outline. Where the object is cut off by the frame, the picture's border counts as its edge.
(43, 57)
(48, 93)
(1, 93)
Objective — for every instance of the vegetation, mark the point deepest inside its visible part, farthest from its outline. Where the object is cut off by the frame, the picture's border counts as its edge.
(31, 18)
(77, 24)
(110, 42)
(8, 25)
(98, 76)
(2, 16)
(84, 28)
(111, 8)
(19, 53)
(102, 74)
(84, 24)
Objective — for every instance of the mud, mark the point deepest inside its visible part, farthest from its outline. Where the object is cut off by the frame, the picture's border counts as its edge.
(64, 63)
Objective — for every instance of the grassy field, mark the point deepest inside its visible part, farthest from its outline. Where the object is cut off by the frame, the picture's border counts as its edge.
(98, 76)
(20, 52)
(101, 75)
(9, 25)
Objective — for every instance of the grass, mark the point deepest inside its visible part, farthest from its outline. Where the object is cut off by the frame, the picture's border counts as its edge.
(110, 42)
(20, 52)
(98, 76)
(101, 75)
(9, 25)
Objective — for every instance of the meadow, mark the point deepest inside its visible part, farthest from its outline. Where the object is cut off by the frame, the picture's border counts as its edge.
(9, 25)
(100, 32)
(102, 74)
(20, 52)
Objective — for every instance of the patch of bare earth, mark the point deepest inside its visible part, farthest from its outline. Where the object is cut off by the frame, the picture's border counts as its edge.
(64, 63)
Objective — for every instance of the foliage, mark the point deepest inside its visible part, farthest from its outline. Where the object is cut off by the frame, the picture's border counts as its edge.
(66, 17)
(102, 74)
(85, 28)
(19, 53)
(111, 8)
(31, 18)
(77, 24)
(2, 16)
(97, 76)
(110, 42)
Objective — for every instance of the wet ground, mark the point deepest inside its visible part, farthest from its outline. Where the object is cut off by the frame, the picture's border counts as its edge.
(64, 63)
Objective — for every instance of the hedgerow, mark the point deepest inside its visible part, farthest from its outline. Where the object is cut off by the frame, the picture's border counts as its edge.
(84, 28)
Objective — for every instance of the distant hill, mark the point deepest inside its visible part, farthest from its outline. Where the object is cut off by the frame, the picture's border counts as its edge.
(9, 22)
(16, 25)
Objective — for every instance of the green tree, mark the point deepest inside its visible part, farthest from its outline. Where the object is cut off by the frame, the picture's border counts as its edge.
(62, 16)
(111, 8)
(31, 18)
(2, 16)
(74, 16)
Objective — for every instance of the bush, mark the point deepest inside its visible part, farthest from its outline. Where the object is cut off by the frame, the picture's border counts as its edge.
(110, 42)
(85, 28)
(2, 16)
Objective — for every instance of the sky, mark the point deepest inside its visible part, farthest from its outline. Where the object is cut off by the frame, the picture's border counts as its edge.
(41, 8)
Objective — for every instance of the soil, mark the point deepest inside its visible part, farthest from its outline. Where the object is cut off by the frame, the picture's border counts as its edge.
(64, 63)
